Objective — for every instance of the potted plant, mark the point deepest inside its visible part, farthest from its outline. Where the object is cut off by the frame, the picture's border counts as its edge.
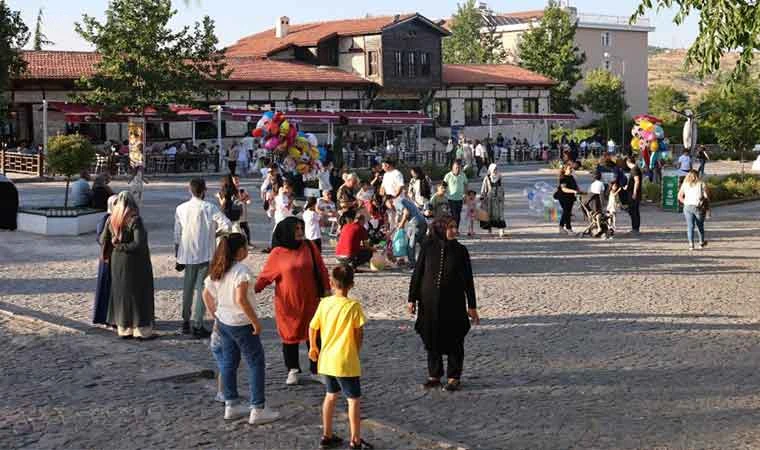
(69, 155)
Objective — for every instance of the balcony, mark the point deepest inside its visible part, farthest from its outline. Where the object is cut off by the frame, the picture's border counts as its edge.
(617, 21)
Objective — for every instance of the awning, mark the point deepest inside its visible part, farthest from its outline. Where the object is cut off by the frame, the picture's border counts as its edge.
(78, 113)
(387, 118)
(326, 117)
(522, 116)
(300, 117)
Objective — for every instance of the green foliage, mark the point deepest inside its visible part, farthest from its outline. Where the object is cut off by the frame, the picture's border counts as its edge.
(13, 37)
(651, 191)
(69, 155)
(39, 37)
(734, 115)
(467, 43)
(550, 50)
(604, 94)
(154, 67)
(663, 98)
(734, 186)
(723, 26)
(579, 134)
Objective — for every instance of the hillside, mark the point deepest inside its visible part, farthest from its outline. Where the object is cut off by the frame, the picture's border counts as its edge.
(666, 67)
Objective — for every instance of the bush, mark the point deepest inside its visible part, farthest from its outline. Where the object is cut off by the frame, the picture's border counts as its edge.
(69, 155)
(733, 186)
(652, 191)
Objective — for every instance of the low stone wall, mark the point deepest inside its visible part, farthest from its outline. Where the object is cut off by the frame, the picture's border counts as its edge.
(43, 221)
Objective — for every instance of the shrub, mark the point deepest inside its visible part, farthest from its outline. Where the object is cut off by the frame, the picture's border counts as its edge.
(652, 191)
(69, 155)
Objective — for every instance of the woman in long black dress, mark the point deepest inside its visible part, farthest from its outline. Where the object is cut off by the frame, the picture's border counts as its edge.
(8, 204)
(442, 293)
(132, 304)
(103, 288)
(566, 192)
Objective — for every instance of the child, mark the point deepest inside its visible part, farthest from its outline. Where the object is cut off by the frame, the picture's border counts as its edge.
(245, 200)
(311, 218)
(226, 298)
(339, 321)
(365, 192)
(438, 203)
(326, 207)
(283, 202)
(613, 202)
(596, 190)
(469, 212)
(215, 344)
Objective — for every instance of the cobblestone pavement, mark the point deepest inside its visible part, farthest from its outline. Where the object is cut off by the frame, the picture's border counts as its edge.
(630, 343)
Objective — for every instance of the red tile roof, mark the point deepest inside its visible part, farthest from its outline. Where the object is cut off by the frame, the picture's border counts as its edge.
(266, 43)
(503, 74)
(47, 65)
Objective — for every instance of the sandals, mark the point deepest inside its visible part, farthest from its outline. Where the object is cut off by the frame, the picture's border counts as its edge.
(452, 386)
(431, 383)
(330, 442)
(361, 445)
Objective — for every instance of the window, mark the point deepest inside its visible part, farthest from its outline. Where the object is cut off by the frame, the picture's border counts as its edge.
(95, 132)
(425, 64)
(606, 39)
(350, 105)
(398, 59)
(503, 105)
(373, 62)
(607, 65)
(261, 105)
(412, 72)
(441, 112)
(307, 105)
(530, 106)
(472, 108)
(207, 130)
(157, 131)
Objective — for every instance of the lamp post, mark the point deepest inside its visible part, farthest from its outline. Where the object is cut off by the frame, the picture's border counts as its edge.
(607, 55)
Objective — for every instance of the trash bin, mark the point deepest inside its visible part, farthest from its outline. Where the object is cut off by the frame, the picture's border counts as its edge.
(670, 186)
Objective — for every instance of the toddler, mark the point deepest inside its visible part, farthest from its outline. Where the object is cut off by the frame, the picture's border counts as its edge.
(312, 225)
(613, 203)
(469, 212)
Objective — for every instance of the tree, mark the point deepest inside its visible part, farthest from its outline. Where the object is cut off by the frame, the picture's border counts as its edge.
(663, 98)
(734, 115)
(154, 67)
(472, 40)
(13, 37)
(604, 94)
(724, 26)
(549, 49)
(39, 37)
(69, 155)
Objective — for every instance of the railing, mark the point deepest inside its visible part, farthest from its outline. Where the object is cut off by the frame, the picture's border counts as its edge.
(612, 20)
(21, 163)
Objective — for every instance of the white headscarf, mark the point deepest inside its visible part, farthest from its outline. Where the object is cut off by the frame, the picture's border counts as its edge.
(111, 202)
(493, 173)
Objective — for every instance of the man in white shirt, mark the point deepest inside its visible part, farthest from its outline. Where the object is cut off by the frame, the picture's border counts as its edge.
(480, 155)
(393, 179)
(684, 163)
(195, 224)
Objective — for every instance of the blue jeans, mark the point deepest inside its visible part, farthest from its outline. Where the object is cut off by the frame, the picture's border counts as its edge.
(694, 217)
(237, 341)
(415, 232)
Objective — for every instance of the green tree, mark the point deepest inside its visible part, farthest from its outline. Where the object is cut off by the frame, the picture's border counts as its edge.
(734, 115)
(69, 155)
(663, 98)
(604, 94)
(549, 49)
(472, 40)
(724, 26)
(146, 64)
(39, 37)
(13, 37)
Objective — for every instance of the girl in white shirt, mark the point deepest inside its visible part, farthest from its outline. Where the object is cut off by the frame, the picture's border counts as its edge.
(694, 197)
(226, 296)
(311, 218)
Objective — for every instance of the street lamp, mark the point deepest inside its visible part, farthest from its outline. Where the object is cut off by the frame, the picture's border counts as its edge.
(607, 55)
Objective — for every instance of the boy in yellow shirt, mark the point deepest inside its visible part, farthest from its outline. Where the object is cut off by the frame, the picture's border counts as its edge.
(339, 321)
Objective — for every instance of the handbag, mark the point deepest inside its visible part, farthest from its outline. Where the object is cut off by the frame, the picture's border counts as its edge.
(321, 290)
(400, 244)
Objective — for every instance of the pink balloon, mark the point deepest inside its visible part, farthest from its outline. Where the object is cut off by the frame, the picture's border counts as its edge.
(272, 143)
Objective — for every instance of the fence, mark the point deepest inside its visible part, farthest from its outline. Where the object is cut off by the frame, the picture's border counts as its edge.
(21, 163)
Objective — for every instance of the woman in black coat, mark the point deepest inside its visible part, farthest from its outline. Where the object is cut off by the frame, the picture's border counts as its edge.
(8, 204)
(442, 293)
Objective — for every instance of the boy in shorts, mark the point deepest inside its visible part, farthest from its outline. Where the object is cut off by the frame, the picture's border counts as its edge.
(339, 321)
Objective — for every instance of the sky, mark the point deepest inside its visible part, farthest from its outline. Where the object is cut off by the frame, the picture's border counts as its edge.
(238, 18)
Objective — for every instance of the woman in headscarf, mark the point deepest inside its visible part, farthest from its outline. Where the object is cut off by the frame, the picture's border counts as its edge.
(101, 192)
(8, 204)
(300, 279)
(131, 306)
(103, 288)
(492, 197)
(442, 293)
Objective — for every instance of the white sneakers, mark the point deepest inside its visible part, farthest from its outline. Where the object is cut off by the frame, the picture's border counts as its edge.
(219, 397)
(262, 416)
(256, 416)
(292, 377)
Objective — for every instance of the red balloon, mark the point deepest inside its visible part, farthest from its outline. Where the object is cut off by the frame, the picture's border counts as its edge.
(257, 132)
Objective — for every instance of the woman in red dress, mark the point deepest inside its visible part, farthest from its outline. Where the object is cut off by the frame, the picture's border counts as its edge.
(300, 279)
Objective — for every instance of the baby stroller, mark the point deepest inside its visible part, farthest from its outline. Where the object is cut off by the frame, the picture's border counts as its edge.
(598, 222)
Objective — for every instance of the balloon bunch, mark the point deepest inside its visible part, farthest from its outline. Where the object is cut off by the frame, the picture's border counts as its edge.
(541, 201)
(298, 150)
(649, 139)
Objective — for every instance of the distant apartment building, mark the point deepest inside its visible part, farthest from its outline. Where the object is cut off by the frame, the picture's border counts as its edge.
(609, 42)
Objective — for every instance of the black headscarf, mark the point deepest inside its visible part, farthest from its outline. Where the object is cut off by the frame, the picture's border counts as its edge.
(438, 227)
(285, 233)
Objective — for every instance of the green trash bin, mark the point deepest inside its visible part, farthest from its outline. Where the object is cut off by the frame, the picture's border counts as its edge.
(671, 183)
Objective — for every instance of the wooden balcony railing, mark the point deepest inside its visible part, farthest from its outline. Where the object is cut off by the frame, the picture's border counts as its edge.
(22, 163)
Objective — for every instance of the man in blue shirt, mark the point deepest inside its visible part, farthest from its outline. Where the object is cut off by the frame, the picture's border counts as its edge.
(411, 220)
(80, 190)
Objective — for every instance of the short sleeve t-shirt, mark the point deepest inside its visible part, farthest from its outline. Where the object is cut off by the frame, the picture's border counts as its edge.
(414, 212)
(635, 172)
(684, 163)
(227, 310)
(457, 184)
(350, 240)
(393, 181)
(337, 319)
(693, 193)
(597, 187)
(312, 230)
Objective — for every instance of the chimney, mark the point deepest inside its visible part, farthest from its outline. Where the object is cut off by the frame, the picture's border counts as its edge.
(281, 27)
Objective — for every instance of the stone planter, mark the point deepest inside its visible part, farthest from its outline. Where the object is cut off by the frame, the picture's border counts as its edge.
(59, 221)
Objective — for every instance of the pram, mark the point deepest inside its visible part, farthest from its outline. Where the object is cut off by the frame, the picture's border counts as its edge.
(598, 222)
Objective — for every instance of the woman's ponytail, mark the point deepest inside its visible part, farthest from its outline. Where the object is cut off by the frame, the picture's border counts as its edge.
(224, 256)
